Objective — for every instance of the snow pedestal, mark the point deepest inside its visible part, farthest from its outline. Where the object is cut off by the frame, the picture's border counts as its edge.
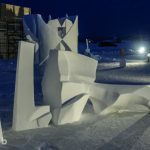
(25, 114)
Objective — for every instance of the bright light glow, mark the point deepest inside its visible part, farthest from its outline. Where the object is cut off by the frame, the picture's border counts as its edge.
(141, 50)
(148, 55)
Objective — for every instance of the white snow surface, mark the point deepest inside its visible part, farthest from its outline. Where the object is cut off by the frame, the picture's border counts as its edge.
(114, 132)
(136, 72)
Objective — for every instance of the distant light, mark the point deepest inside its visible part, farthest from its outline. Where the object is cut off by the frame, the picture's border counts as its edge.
(141, 50)
(148, 55)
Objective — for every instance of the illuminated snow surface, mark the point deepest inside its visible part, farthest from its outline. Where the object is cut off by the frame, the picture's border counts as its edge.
(114, 132)
(136, 72)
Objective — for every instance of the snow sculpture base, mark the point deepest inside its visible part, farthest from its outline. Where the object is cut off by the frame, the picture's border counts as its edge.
(101, 97)
(25, 114)
(70, 112)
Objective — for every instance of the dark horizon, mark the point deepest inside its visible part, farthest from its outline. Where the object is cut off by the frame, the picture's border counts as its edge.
(99, 18)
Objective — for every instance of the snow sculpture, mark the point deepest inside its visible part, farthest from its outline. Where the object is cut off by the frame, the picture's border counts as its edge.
(68, 83)
(30, 30)
(68, 80)
(64, 70)
(57, 34)
(25, 114)
(2, 140)
(65, 85)
(132, 98)
(101, 97)
(67, 31)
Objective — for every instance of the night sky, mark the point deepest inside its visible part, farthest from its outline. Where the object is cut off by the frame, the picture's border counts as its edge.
(98, 18)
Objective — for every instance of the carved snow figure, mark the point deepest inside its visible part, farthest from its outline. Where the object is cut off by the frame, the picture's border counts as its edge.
(25, 114)
(57, 34)
(68, 83)
(65, 85)
(68, 80)
(61, 35)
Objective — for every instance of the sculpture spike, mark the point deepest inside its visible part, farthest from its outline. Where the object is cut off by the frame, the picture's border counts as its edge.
(50, 17)
(66, 15)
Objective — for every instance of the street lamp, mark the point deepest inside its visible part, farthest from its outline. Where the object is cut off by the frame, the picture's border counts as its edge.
(142, 50)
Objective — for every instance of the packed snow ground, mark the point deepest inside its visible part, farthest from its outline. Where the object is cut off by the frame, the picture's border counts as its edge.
(114, 132)
(136, 72)
(126, 132)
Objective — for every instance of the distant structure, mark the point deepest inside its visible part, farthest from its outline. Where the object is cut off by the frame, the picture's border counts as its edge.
(11, 29)
(88, 51)
(122, 58)
(87, 46)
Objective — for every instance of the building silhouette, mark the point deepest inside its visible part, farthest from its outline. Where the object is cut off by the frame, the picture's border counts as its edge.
(11, 29)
